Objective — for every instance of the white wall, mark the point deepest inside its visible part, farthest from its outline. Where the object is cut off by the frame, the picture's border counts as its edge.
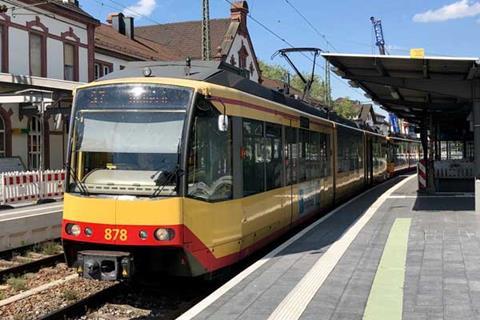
(19, 44)
(20, 141)
(237, 44)
(116, 61)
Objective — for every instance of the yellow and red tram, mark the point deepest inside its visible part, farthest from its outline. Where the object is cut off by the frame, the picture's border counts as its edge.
(185, 172)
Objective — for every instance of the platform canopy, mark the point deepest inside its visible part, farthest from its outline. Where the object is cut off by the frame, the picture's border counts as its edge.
(412, 87)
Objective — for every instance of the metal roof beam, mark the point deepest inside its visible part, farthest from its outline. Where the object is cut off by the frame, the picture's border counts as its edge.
(377, 63)
(422, 105)
(426, 71)
(458, 88)
(472, 73)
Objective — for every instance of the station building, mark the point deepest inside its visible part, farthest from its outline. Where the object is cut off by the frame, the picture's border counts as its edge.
(49, 48)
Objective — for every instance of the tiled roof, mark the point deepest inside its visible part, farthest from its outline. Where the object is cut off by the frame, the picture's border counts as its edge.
(185, 37)
(139, 48)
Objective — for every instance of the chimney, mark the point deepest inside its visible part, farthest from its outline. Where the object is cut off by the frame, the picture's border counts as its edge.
(74, 2)
(118, 22)
(239, 12)
(129, 27)
(123, 25)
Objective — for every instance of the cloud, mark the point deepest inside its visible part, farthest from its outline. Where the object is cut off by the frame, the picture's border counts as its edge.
(141, 8)
(456, 10)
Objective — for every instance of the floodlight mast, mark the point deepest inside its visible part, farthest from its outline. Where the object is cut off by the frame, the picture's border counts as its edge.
(307, 83)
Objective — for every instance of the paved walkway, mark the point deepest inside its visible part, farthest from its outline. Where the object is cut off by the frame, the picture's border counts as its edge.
(389, 254)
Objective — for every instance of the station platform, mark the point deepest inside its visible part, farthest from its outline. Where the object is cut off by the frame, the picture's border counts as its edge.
(390, 253)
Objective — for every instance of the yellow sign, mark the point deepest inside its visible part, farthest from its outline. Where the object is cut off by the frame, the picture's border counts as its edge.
(418, 53)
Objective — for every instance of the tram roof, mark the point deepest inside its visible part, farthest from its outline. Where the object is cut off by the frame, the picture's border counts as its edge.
(220, 73)
(409, 86)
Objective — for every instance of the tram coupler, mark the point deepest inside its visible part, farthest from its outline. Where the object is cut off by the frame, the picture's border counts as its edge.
(105, 265)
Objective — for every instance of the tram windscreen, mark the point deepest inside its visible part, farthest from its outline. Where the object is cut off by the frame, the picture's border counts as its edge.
(126, 139)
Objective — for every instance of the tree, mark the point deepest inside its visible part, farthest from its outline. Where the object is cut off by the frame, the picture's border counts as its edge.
(345, 108)
(277, 72)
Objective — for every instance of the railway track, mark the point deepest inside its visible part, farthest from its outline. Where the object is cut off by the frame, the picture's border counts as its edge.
(81, 307)
(32, 266)
(27, 259)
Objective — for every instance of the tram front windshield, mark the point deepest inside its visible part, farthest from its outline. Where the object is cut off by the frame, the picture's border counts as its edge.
(126, 139)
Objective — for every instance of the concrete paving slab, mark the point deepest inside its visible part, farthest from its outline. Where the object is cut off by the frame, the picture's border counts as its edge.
(441, 272)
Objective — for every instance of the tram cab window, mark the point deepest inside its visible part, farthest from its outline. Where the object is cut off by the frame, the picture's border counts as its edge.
(210, 156)
(273, 155)
(253, 157)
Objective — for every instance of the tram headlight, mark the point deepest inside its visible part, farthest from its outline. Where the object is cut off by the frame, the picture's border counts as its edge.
(164, 234)
(73, 229)
(88, 231)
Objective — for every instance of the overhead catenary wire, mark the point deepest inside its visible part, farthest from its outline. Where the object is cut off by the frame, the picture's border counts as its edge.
(120, 6)
(315, 29)
(276, 35)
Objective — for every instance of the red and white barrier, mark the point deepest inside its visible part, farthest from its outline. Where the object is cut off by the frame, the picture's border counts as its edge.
(53, 183)
(30, 186)
(422, 174)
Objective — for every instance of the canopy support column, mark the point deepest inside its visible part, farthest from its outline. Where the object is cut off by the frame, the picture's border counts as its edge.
(476, 137)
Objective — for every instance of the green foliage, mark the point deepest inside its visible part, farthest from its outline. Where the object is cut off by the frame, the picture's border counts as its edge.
(48, 248)
(70, 295)
(17, 283)
(277, 72)
(273, 71)
(345, 108)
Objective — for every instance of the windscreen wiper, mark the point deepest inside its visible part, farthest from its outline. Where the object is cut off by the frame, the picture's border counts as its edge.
(83, 189)
(169, 177)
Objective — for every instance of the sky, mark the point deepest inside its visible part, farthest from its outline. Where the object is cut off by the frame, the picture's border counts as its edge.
(441, 27)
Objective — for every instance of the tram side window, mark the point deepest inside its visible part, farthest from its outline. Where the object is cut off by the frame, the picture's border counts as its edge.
(210, 157)
(324, 155)
(314, 156)
(343, 152)
(291, 155)
(304, 163)
(273, 155)
(350, 150)
(253, 157)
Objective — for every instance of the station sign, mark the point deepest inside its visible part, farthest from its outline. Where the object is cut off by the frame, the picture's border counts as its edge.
(417, 53)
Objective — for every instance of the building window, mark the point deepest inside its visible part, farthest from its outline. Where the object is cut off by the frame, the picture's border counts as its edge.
(69, 63)
(37, 55)
(2, 138)
(3, 48)
(97, 70)
(34, 143)
(106, 70)
(102, 68)
(242, 57)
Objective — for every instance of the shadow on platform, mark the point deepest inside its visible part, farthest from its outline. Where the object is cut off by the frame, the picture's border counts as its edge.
(444, 204)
